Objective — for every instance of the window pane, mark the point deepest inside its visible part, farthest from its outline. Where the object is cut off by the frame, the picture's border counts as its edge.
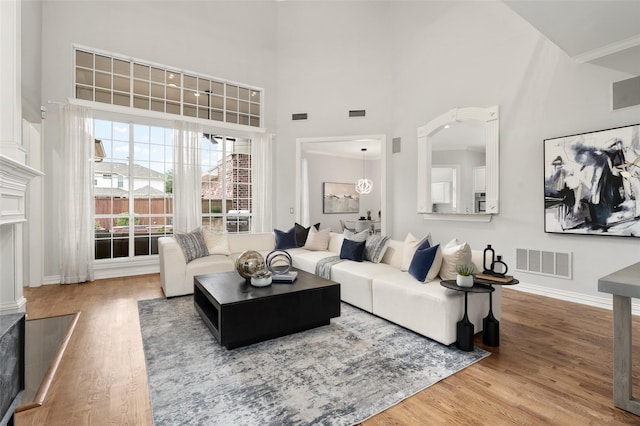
(85, 93)
(173, 79)
(103, 80)
(141, 71)
(84, 59)
(217, 88)
(140, 102)
(103, 96)
(232, 91)
(122, 67)
(103, 63)
(121, 84)
(84, 76)
(121, 99)
(190, 82)
(157, 75)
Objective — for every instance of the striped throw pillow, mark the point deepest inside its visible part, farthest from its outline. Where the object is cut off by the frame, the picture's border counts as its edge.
(192, 245)
(375, 247)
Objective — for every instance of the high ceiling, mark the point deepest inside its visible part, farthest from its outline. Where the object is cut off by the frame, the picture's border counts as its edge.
(600, 32)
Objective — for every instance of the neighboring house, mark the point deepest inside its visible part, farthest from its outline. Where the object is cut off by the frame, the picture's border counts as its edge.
(112, 179)
(238, 177)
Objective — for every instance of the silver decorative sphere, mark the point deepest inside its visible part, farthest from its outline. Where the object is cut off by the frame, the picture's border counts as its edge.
(249, 263)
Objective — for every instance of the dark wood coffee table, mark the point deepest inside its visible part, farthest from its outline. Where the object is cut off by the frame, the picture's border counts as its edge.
(239, 314)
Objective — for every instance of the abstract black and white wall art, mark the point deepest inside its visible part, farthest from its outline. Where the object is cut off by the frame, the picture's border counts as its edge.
(592, 183)
(340, 198)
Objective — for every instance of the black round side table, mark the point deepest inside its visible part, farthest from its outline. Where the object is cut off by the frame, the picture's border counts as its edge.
(464, 327)
(490, 325)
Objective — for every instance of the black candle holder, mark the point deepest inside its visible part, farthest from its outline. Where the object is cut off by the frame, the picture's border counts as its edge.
(496, 261)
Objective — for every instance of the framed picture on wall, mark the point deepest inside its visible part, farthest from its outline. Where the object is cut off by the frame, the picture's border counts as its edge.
(340, 198)
(592, 183)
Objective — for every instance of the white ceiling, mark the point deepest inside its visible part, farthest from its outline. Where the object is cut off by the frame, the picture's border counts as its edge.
(600, 32)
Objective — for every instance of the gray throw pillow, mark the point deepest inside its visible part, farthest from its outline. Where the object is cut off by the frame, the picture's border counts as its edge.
(192, 245)
(375, 247)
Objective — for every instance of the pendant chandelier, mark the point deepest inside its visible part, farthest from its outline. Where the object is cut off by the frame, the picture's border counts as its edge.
(364, 185)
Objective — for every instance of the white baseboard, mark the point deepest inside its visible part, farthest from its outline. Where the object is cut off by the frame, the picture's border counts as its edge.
(604, 302)
(14, 307)
(105, 270)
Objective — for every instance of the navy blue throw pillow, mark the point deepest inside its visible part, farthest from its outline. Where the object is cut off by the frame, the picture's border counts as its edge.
(285, 240)
(352, 250)
(422, 261)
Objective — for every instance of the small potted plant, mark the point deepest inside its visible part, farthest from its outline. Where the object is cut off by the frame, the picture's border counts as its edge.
(465, 275)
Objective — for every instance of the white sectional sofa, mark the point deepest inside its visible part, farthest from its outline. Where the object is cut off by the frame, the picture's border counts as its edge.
(382, 289)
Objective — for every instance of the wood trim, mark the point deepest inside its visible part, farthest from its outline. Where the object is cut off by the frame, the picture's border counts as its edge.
(41, 394)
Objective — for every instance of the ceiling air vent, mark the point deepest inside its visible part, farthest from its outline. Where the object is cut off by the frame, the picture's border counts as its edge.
(299, 116)
(357, 113)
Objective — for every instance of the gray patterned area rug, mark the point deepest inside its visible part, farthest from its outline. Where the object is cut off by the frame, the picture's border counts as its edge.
(339, 374)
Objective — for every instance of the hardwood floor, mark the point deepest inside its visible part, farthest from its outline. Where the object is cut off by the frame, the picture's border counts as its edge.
(553, 367)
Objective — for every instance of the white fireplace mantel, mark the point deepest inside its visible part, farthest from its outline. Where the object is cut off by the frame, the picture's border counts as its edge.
(14, 179)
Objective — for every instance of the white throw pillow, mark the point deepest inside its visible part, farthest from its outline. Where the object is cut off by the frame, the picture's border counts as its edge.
(411, 244)
(318, 240)
(454, 254)
(216, 243)
(359, 237)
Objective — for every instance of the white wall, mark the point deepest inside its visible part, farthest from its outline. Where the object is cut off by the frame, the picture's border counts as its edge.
(332, 57)
(459, 54)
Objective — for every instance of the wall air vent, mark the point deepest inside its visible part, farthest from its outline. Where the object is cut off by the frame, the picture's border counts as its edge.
(299, 116)
(357, 113)
(550, 263)
(625, 93)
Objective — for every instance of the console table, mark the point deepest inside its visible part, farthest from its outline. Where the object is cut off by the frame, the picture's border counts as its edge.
(623, 285)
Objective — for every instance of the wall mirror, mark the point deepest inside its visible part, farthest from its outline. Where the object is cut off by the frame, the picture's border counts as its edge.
(458, 165)
(340, 159)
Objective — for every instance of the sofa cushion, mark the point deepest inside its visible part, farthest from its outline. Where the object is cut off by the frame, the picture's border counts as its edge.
(318, 240)
(216, 243)
(426, 262)
(192, 245)
(307, 260)
(352, 250)
(302, 233)
(454, 254)
(375, 247)
(285, 239)
(356, 236)
(411, 244)
(355, 281)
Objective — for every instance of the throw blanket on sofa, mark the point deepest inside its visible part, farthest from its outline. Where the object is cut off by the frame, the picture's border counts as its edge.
(323, 267)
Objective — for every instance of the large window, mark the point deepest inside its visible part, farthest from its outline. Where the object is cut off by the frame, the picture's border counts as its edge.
(133, 187)
(226, 183)
(109, 79)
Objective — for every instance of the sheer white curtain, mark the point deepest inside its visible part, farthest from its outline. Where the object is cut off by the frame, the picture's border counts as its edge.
(187, 207)
(261, 177)
(304, 196)
(76, 203)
